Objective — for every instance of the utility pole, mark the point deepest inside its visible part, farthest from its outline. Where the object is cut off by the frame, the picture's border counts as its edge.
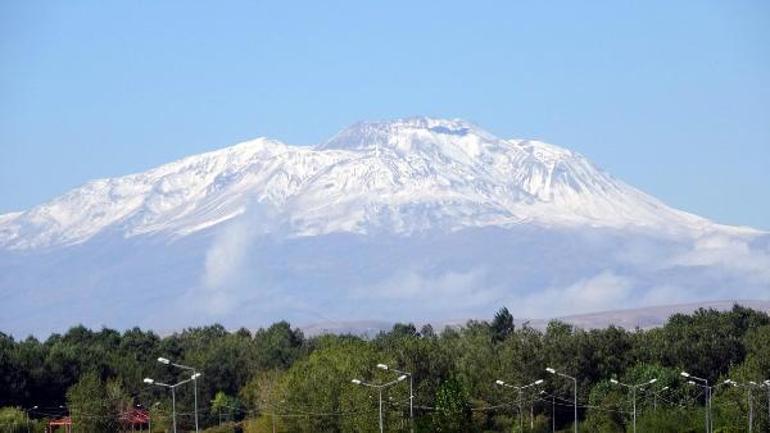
(380, 388)
(411, 391)
(705, 385)
(194, 378)
(633, 389)
(173, 388)
(520, 389)
(574, 379)
(553, 413)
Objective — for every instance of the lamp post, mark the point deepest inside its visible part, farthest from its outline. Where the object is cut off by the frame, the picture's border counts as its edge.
(751, 406)
(749, 399)
(704, 383)
(519, 389)
(411, 391)
(379, 388)
(173, 388)
(553, 371)
(766, 384)
(27, 412)
(633, 389)
(194, 378)
(655, 397)
(553, 410)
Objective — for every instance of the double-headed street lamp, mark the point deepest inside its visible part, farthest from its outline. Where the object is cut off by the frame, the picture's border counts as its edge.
(703, 383)
(553, 371)
(194, 378)
(411, 390)
(379, 388)
(173, 388)
(633, 389)
(520, 389)
(748, 385)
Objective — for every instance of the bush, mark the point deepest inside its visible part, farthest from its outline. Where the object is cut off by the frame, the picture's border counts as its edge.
(226, 427)
(13, 420)
(263, 424)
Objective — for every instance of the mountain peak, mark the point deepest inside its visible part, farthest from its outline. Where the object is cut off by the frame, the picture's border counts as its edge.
(403, 133)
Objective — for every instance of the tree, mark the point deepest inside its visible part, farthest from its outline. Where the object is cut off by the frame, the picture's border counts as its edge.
(226, 407)
(278, 346)
(90, 407)
(502, 325)
(307, 381)
(321, 384)
(453, 411)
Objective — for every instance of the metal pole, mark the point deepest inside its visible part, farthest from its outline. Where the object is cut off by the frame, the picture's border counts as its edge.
(705, 409)
(751, 410)
(521, 415)
(173, 406)
(711, 415)
(711, 418)
(553, 414)
(411, 403)
(633, 392)
(195, 388)
(381, 427)
(574, 379)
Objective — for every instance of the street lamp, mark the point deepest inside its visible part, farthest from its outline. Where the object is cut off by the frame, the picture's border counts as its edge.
(766, 384)
(553, 371)
(379, 388)
(553, 410)
(655, 397)
(27, 411)
(194, 378)
(704, 383)
(633, 389)
(173, 387)
(519, 389)
(750, 384)
(411, 391)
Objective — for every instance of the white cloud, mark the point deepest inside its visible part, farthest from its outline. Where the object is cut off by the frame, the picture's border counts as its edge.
(729, 253)
(448, 291)
(603, 291)
(228, 277)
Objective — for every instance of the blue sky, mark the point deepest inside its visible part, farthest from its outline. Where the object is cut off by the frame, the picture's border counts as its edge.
(672, 97)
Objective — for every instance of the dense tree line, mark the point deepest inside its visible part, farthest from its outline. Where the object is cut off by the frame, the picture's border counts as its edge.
(278, 378)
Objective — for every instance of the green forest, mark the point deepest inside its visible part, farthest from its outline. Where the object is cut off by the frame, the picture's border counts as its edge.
(277, 379)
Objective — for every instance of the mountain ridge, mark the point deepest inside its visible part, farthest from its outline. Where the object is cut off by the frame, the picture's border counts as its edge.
(397, 173)
(630, 319)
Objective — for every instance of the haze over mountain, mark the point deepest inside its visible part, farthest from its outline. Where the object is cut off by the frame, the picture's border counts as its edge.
(414, 219)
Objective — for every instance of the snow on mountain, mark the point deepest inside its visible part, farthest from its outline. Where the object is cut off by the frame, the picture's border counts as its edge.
(399, 176)
(415, 219)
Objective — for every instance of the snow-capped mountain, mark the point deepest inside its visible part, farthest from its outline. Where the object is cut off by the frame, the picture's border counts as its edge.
(400, 176)
(303, 226)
